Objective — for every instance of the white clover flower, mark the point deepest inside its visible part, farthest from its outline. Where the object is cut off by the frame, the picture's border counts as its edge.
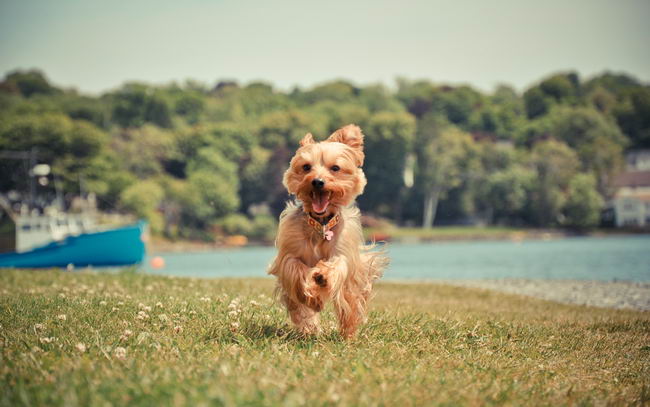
(61, 295)
(142, 315)
(80, 347)
(234, 326)
(178, 329)
(39, 327)
(47, 340)
(159, 305)
(102, 303)
(163, 318)
(120, 303)
(61, 317)
(192, 312)
(205, 299)
(114, 309)
(254, 303)
(120, 353)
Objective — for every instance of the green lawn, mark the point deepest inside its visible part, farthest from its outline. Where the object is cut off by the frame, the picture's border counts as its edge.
(451, 232)
(87, 338)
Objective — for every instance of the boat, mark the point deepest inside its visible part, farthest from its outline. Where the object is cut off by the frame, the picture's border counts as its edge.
(39, 230)
(120, 246)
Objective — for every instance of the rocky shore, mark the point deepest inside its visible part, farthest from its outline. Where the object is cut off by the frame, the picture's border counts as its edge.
(609, 294)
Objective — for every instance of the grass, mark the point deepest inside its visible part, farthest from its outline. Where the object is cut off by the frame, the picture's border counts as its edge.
(451, 233)
(169, 341)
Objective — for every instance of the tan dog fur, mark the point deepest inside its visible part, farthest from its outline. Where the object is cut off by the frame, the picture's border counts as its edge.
(310, 269)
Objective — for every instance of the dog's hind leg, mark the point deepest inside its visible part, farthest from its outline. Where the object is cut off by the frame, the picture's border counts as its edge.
(305, 319)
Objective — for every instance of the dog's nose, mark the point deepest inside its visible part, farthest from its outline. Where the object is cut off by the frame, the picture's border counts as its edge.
(318, 183)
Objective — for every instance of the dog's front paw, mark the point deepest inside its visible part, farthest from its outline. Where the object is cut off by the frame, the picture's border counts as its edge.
(316, 286)
(320, 273)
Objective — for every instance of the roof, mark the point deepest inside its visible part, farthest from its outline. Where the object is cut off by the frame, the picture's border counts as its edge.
(634, 197)
(633, 179)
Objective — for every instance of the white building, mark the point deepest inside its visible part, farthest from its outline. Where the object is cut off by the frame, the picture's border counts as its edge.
(631, 202)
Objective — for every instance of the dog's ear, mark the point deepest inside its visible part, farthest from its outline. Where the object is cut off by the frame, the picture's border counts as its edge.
(308, 139)
(350, 135)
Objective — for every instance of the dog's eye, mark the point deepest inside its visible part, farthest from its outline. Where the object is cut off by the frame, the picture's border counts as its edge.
(306, 167)
(335, 168)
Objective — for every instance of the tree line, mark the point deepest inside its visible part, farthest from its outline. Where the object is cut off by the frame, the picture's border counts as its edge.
(196, 160)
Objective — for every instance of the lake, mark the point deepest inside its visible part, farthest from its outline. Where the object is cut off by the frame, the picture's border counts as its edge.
(583, 258)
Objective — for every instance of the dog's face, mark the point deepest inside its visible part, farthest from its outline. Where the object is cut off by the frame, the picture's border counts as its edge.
(327, 175)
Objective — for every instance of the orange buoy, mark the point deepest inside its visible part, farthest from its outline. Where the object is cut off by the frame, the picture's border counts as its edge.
(157, 262)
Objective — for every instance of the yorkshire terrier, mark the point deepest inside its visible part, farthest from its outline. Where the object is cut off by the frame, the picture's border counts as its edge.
(321, 250)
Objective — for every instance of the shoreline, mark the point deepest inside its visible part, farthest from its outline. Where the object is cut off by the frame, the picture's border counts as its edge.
(603, 294)
(161, 245)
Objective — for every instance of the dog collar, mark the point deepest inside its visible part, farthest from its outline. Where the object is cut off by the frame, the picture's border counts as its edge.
(324, 230)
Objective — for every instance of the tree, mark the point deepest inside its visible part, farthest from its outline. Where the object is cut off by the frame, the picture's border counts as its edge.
(143, 199)
(555, 164)
(136, 104)
(504, 193)
(28, 83)
(633, 117)
(388, 143)
(144, 151)
(441, 150)
(69, 146)
(597, 140)
(583, 204)
(556, 89)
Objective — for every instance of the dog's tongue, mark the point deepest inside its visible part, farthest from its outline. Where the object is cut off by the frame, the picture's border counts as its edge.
(320, 202)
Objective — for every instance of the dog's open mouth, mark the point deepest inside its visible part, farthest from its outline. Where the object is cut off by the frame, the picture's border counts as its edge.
(320, 200)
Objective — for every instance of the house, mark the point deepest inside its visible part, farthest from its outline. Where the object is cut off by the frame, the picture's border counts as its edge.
(631, 202)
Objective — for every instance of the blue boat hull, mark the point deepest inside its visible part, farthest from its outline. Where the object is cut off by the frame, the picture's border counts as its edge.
(115, 247)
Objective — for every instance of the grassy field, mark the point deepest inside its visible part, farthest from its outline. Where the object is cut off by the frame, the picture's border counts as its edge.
(86, 338)
(452, 233)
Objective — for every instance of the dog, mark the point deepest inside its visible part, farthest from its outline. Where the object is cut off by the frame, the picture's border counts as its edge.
(321, 252)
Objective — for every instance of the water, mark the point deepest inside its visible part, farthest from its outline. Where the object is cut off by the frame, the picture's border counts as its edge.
(603, 258)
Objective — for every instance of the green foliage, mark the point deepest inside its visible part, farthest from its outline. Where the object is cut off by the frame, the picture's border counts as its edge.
(264, 227)
(389, 141)
(143, 199)
(597, 140)
(555, 164)
(28, 83)
(633, 116)
(235, 224)
(506, 191)
(211, 195)
(584, 203)
(443, 152)
(480, 157)
(136, 104)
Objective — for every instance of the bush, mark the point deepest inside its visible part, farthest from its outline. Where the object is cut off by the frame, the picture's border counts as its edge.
(235, 224)
(583, 205)
(143, 199)
(264, 227)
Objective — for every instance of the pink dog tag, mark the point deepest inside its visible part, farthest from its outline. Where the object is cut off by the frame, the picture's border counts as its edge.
(329, 234)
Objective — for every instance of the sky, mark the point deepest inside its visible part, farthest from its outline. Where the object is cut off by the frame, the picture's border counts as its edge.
(96, 46)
